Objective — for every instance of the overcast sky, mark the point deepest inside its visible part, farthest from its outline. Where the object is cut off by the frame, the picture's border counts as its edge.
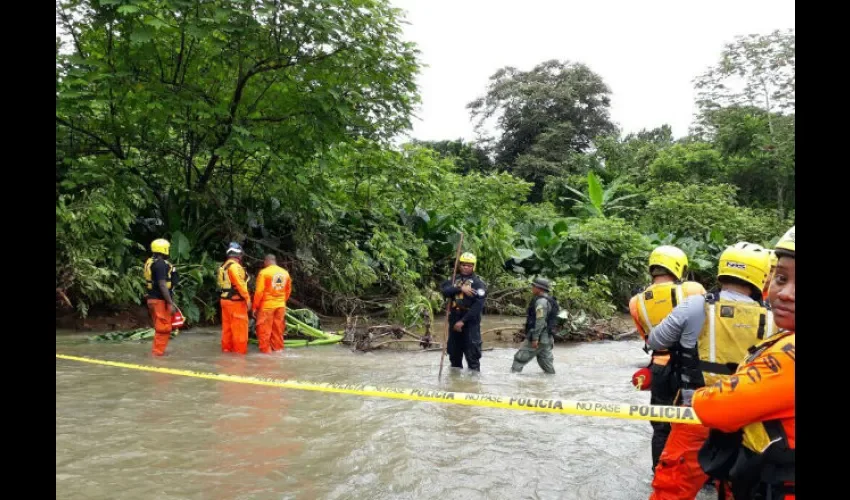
(647, 51)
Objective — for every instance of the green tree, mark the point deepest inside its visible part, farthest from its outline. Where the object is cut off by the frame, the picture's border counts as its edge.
(543, 115)
(468, 156)
(760, 71)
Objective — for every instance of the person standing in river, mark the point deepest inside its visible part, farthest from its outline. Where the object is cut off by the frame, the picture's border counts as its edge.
(667, 266)
(467, 295)
(273, 289)
(160, 280)
(542, 316)
(235, 301)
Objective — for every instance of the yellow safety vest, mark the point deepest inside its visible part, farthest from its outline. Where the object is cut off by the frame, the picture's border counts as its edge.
(149, 274)
(226, 288)
(656, 302)
(729, 330)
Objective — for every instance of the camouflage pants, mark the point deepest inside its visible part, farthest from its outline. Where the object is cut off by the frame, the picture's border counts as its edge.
(543, 353)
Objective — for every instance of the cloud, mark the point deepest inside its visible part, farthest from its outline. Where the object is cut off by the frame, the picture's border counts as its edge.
(648, 52)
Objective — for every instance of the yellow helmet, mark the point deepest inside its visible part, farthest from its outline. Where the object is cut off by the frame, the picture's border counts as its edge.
(670, 258)
(785, 246)
(773, 258)
(160, 246)
(746, 261)
(468, 258)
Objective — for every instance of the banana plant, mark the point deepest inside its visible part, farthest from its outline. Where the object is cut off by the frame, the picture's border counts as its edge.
(599, 200)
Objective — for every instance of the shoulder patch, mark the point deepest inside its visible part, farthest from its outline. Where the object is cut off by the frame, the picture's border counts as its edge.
(727, 312)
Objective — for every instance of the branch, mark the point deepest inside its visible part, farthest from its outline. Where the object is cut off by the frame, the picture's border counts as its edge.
(274, 119)
(264, 66)
(115, 150)
(64, 297)
(70, 29)
(253, 106)
(180, 54)
(259, 176)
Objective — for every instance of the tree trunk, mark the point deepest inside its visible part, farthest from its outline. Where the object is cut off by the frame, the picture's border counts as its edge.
(780, 198)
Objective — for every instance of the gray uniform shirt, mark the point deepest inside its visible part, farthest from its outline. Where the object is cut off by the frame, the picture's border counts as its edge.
(685, 321)
(540, 332)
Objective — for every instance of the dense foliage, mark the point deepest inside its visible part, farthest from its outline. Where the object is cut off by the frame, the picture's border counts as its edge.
(271, 123)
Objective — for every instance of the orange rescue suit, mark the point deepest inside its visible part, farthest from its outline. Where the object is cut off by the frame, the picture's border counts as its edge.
(758, 400)
(235, 299)
(273, 289)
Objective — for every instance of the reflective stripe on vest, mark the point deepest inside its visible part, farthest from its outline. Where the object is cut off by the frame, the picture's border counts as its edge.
(676, 297)
(722, 355)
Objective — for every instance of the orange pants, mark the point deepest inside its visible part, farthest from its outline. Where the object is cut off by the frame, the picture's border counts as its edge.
(270, 326)
(234, 326)
(161, 319)
(678, 475)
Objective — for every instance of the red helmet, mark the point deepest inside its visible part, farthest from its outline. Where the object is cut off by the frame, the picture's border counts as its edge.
(642, 379)
(177, 319)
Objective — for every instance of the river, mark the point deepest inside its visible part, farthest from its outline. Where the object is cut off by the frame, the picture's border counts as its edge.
(131, 434)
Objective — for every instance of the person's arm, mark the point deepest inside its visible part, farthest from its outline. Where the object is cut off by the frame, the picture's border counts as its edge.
(633, 310)
(682, 321)
(238, 282)
(448, 289)
(260, 291)
(541, 310)
(480, 294)
(287, 290)
(758, 391)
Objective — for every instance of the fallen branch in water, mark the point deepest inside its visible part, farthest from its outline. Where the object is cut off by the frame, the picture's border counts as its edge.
(502, 329)
(632, 333)
(366, 340)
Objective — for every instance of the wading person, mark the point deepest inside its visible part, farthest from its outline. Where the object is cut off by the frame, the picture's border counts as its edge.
(235, 302)
(467, 295)
(273, 289)
(540, 322)
(667, 266)
(160, 280)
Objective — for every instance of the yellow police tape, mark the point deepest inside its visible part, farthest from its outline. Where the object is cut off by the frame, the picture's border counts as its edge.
(682, 415)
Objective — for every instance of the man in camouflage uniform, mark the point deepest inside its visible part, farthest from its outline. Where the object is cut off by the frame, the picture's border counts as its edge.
(539, 339)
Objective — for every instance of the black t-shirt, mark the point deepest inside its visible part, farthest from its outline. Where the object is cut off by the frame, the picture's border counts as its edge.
(159, 271)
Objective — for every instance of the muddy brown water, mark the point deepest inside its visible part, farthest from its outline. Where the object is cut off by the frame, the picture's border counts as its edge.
(131, 434)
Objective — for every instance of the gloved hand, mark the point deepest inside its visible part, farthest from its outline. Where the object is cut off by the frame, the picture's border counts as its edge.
(687, 396)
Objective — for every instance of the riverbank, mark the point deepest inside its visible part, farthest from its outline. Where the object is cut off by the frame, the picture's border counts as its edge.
(495, 327)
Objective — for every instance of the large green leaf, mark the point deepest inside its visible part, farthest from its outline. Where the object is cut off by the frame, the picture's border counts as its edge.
(180, 246)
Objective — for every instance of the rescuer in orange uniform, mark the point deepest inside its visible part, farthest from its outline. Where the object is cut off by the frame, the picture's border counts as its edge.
(667, 266)
(273, 288)
(235, 302)
(160, 280)
(752, 414)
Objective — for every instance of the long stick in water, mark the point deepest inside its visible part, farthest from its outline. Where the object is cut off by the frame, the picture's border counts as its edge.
(448, 307)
